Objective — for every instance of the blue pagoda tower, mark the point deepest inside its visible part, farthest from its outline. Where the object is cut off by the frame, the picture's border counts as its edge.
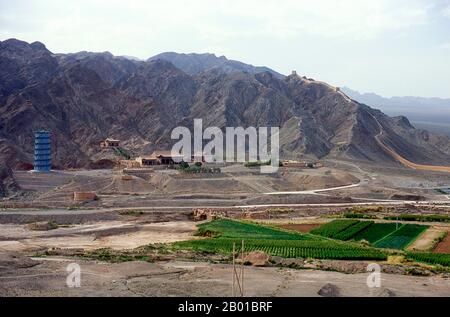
(42, 151)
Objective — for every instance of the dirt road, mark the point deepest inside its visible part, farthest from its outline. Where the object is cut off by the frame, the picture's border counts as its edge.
(401, 159)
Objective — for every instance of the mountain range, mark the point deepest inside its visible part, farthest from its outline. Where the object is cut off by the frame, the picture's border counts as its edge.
(429, 113)
(86, 97)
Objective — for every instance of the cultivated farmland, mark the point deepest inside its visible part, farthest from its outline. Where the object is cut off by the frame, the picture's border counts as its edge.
(376, 232)
(275, 242)
(402, 237)
(380, 235)
(333, 228)
(350, 232)
(430, 258)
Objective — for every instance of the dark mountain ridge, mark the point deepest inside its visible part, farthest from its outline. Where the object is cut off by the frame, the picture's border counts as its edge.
(85, 97)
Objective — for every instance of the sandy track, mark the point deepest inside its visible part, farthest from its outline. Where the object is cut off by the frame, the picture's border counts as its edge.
(404, 161)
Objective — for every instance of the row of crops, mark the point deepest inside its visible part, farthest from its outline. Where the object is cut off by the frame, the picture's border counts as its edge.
(333, 228)
(224, 233)
(353, 230)
(376, 232)
(427, 218)
(289, 248)
(227, 228)
(381, 235)
(430, 258)
(402, 237)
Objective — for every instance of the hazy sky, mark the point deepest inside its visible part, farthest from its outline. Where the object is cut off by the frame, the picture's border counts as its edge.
(391, 47)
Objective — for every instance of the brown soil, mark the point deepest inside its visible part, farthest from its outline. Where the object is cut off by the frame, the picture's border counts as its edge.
(303, 228)
(444, 245)
(426, 240)
(199, 279)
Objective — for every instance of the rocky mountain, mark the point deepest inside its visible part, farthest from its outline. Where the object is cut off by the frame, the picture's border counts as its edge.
(193, 64)
(85, 97)
(430, 113)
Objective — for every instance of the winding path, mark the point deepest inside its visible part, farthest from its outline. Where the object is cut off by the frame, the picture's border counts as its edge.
(401, 159)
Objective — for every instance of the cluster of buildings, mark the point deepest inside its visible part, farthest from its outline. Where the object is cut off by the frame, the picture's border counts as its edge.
(156, 158)
(301, 164)
(165, 158)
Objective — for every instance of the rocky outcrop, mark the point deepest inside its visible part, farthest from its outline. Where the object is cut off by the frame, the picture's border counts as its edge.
(7, 183)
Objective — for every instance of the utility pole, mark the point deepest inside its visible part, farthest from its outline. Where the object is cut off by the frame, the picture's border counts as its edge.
(238, 277)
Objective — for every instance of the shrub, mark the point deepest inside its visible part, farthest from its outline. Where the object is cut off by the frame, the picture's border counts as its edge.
(356, 215)
(258, 163)
(428, 218)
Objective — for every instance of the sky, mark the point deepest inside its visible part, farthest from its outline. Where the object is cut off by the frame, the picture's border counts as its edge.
(390, 47)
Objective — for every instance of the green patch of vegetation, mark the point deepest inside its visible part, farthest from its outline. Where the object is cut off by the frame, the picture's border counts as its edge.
(402, 237)
(224, 233)
(331, 229)
(133, 213)
(288, 248)
(358, 215)
(441, 191)
(123, 153)
(350, 232)
(197, 168)
(280, 210)
(376, 232)
(52, 225)
(112, 256)
(430, 258)
(227, 228)
(426, 218)
(258, 163)
(366, 209)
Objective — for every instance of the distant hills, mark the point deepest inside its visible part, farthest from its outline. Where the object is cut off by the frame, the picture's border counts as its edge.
(193, 64)
(86, 97)
(428, 113)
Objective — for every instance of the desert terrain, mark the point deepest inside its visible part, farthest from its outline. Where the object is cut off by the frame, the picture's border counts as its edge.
(149, 211)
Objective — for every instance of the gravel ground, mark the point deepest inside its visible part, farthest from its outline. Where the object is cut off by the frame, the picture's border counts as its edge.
(48, 278)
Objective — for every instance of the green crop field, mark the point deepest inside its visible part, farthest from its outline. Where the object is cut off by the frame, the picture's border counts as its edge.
(333, 228)
(288, 248)
(275, 242)
(227, 228)
(380, 235)
(430, 258)
(351, 231)
(428, 218)
(376, 232)
(402, 237)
